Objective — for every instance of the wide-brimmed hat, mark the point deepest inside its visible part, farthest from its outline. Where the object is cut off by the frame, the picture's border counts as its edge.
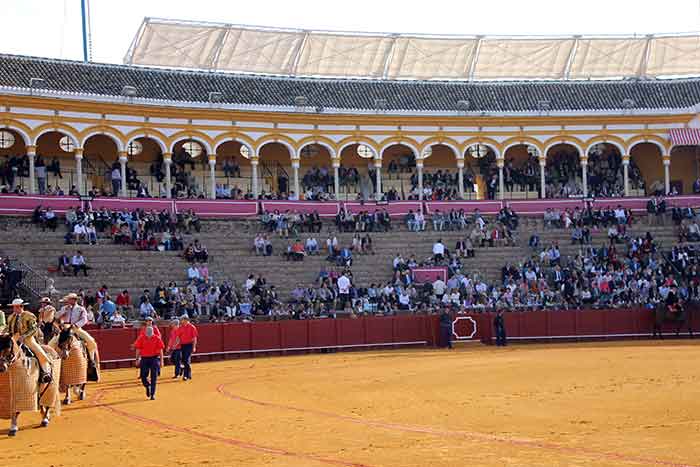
(45, 300)
(71, 296)
(18, 302)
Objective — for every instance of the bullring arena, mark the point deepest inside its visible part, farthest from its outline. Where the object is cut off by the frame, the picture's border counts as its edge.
(592, 404)
(317, 216)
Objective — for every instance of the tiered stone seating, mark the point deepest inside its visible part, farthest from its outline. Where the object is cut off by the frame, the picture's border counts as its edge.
(230, 247)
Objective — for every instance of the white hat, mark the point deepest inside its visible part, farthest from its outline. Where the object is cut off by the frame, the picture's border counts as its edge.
(18, 302)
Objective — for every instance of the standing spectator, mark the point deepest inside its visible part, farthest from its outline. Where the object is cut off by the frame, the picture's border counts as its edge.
(446, 329)
(116, 179)
(499, 325)
(40, 170)
(343, 290)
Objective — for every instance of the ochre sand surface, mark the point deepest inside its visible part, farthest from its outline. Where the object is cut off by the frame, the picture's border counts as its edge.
(604, 404)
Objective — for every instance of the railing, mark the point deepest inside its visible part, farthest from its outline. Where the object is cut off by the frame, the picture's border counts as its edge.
(32, 285)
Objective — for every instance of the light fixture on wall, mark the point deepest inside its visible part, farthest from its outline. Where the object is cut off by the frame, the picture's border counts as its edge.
(129, 91)
(245, 151)
(477, 151)
(134, 148)
(365, 151)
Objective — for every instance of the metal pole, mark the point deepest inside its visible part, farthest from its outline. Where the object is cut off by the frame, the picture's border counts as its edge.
(83, 11)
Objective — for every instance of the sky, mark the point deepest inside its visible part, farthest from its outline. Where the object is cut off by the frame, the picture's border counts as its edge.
(51, 28)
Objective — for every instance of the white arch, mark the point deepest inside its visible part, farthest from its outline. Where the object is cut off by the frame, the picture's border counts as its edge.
(488, 145)
(570, 143)
(236, 139)
(117, 141)
(161, 144)
(204, 144)
(416, 153)
(24, 135)
(73, 137)
(454, 148)
(290, 148)
(612, 143)
(352, 143)
(331, 151)
(662, 149)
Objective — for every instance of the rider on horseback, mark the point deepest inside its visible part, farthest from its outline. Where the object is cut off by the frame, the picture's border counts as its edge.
(76, 316)
(22, 327)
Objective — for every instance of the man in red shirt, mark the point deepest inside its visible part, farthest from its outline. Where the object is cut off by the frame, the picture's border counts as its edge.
(124, 301)
(149, 356)
(187, 338)
(174, 348)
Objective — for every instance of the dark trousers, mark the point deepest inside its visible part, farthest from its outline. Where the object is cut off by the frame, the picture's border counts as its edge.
(78, 268)
(176, 358)
(500, 335)
(446, 336)
(150, 367)
(186, 350)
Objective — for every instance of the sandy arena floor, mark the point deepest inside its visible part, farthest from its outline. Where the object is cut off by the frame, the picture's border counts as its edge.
(551, 405)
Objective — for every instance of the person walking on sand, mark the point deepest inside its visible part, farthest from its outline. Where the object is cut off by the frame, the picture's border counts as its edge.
(149, 357)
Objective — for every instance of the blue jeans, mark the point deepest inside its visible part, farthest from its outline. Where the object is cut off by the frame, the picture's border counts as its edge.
(186, 350)
(176, 358)
(150, 367)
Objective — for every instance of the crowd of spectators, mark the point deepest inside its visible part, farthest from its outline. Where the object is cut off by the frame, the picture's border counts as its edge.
(145, 230)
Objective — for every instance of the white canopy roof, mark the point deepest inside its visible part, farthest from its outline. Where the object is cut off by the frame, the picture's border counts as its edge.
(247, 49)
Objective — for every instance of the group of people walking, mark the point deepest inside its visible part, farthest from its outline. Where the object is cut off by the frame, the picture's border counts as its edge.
(150, 352)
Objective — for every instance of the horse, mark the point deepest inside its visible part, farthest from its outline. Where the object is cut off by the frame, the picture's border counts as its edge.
(681, 317)
(20, 387)
(74, 370)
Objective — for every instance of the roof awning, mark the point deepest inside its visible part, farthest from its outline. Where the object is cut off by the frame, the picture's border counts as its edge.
(685, 136)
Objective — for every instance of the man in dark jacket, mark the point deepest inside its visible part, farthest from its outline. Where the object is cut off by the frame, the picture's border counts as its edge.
(499, 324)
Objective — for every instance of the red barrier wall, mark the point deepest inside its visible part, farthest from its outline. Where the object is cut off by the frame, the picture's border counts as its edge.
(236, 339)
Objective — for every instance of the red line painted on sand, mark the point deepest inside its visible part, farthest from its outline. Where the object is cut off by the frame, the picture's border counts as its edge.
(463, 434)
(229, 441)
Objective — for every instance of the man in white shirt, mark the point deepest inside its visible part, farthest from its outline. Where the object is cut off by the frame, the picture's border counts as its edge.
(311, 246)
(439, 287)
(76, 315)
(343, 290)
(438, 251)
(79, 232)
(78, 263)
(419, 221)
(193, 273)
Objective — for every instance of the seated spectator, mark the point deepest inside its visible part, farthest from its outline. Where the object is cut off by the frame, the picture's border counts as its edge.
(78, 263)
(117, 319)
(124, 300)
(311, 246)
(345, 257)
(146, 309)
(259, 245)
(64, 264)
(193, 273)
(200, 252)
(297, 251)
